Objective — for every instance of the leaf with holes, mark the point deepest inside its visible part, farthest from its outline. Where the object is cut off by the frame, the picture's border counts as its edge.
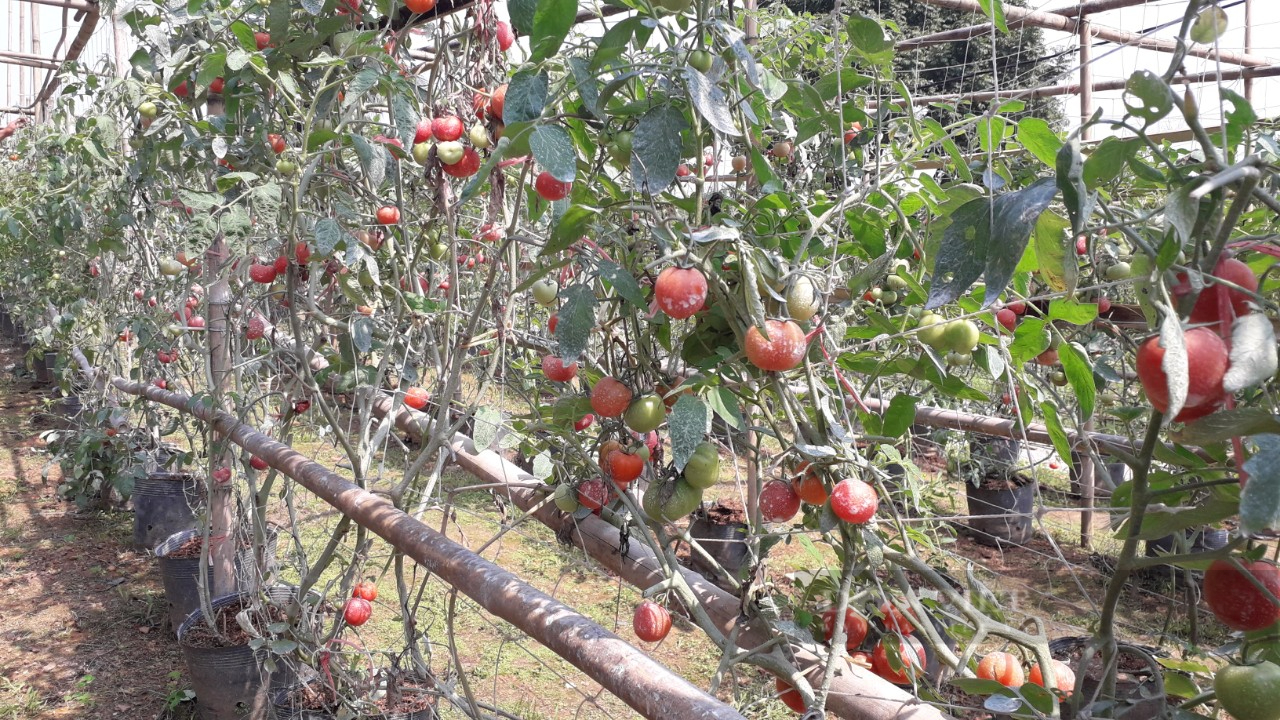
(688, 425)
(577, 318)
(553, 149)
(987, 237)
(656, 148)
(1146, 95)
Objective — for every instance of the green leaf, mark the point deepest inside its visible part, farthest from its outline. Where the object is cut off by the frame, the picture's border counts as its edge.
(900, 415)
(986, 237)
(1181, 212)
(489, 422)
(244, 34)
(1057, 434)
(614, 43)
(1226, 424)
(990, 133)
(553, 149)
(552, 21)
(1260, 500)
(526, 97)
(1039, 139)
(404, 111)
(656, 148)
(522, 14)
(571, 226)
(362, 333)
(372, 159)
(1073, 312)
(710, 102)
(473, 186)
(1108, 159)
(688, 425)
(584, 81)
(982, 597)
(725, 404)
(577, 319)
(1210, 24)
(620, 280)
(866, 38)
(1070, 181)
(994, 9)
(1079, 372)
(319, 137)
(1168, 520)
(835, 84)
(278, 20)
(211, 67)
(1048, 242)
(328, 234)
(1241, 117)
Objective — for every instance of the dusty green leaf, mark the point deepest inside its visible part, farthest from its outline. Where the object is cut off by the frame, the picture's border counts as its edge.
(688, 423)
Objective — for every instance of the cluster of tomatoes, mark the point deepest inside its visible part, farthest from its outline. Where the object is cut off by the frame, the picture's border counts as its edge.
(359, 607)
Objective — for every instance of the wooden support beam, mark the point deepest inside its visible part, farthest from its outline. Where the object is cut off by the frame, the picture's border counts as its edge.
(966, 33)
(77, 5)
(43, 65)
(1016, 17)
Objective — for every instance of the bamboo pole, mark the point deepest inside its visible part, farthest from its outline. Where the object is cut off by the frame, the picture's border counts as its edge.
(1017, 16)
(1086, 78)
(1248, 45)
(222, 520)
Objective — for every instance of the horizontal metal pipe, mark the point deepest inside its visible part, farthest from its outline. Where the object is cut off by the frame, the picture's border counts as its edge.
(645, 685)
(78, 5)
(972, 31)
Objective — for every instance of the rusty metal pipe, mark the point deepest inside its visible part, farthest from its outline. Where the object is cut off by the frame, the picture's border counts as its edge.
(628, 673)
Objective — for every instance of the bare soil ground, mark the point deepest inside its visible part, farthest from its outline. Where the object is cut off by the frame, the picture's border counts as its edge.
(81, 613)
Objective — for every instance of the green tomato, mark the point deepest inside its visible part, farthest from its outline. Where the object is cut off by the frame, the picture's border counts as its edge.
(1249, 692)
(959, 359)
(421, 152)
(439, 251)
(620, 148)
(896, 282)
(682, 500)
(286, 167)
(148, 110)
(703, 468)
(1119, 271)
(933, 331)
(701, 60)
(888, 297)
(645, 414)
(1058, 378)
(545, 291)
(962, 336)
(566, 498)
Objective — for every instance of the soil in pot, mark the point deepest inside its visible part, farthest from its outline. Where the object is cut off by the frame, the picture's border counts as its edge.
(410, 700)
(721, 530)
(1135, 686)
(306, 701)
(179, 557)
(1002, 509)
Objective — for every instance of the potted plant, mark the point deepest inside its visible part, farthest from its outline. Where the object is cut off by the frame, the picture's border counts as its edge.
(999, 489)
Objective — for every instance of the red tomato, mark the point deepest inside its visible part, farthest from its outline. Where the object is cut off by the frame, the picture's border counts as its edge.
(1063, 677)
(584, 422)
(781, 351)
(894, 620)
(854, 501)
(217, 86)
(593, 495)
(1207, 362)
(908, 664)
(1235, 600)
(549, 188)
(422, 132)
(1104, 304)
(1048, 357)
(357, 611)
(1007, 318)
(1206, 307)
(680, 292)
(555, 369)
(610, 398)
(281, 265)
(447, 127)
(790, 696)
(855, 627)
(778, 502)
(1018, 307)
(1002, 667)
(222, 475)
(388, 215)
(265, 274)
(263, 40)
(258, 463)
(498, 101)
(302, 253)
(420, 6)
(257, 328)
(552, 322)
(1082, 245)
(466, 167)
(366, 590)
(416, 398)
(506, 36)
(683, 170)
(624, 466)
(276, 142)
(651, 621)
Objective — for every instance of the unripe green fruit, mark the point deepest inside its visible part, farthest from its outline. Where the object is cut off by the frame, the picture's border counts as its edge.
(645, 414)
(701, 60)
(933, 331)
(888, 297)
(566, 498)
(545, 291)
(703, 468)
(896, 283)
(962, 336)
(959, 359)
(1119, 271)
(421, 152)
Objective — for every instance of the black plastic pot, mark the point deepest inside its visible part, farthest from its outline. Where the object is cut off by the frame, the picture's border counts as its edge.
(725, 542)
(50, 364)
(181, 576)
(42, 371)
(233, 683)
(162, 506)
(1011, 502)
(281, 700)
(1105, 477)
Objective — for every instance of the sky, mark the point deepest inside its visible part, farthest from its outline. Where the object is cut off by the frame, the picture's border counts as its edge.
(1109, 63)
